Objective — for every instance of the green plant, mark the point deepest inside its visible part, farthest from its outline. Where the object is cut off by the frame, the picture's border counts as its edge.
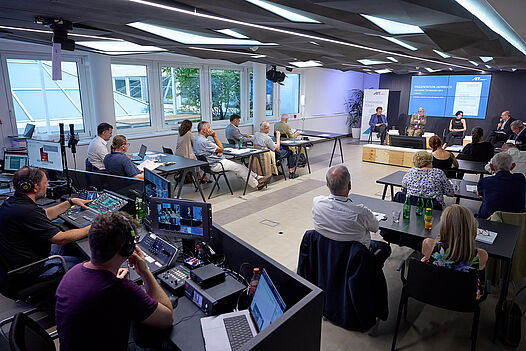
(354, 104)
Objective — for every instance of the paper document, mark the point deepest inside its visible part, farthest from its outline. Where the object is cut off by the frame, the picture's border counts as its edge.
(148, 164)
(471, 188)
(238, 151)
(379, 216)
(485, 236)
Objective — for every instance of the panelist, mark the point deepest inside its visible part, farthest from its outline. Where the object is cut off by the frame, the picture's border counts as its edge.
(378, 123)
(118, 163)
(262, 138)
(27, 233)
(457, 126)
(96, 303)
(98, 148)
(232, 132)
(503, 131)
(417, 123)
(518, 129)
(284, 129)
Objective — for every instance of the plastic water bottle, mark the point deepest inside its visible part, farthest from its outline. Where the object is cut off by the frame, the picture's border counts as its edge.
(241, 142)
(407, 207)
(254, 281)
(420, 205)
(428, 216)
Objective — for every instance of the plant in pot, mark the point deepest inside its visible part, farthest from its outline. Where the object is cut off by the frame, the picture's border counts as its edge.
(354, 106)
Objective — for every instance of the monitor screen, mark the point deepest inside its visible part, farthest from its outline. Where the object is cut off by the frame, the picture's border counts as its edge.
(412, 142)
(181, 218)
(44, 154)
(267, 305)
(28, 132)
(156, 186)
(13, 162)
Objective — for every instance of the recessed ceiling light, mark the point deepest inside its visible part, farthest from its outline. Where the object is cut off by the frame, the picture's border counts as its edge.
(282, 11)
(51, 32)
(314, 43)
(488, 66)
(486, 58)
(393, 27)
(189, 38)
(228, 52)
(430, 70)
(231, 33)
(473, 63)
(399, 42)
(119, 46)
(443, 54)
(450, 68)
(371, 62)
(366, 70)
(513, 69)
(303, 64)
(382, 71)
(391, 58)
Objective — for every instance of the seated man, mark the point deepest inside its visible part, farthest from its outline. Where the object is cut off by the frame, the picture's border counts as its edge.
(504, 191)
(96, 304)
(118, 163)
(503, 131)
(517, 127)
(284, 128)
(98, 148)
(378, 123)
(338, 218)
(262, 138)
(213, 151)
(519, 158)
(232, 132)
(417, 123)
(27, 233)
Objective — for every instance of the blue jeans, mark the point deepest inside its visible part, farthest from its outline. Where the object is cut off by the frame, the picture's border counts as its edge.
(289, 155)
(54, 266)
(385, 250)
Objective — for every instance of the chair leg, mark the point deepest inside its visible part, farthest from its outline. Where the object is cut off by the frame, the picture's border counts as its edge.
(403, 302)
(475, 329)
(283, 170)
(216, 180)
(228, 183)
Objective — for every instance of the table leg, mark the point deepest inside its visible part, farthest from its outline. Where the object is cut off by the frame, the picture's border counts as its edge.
(249, 171)
(260, 165)
(194, 177)
(307, 158)
(341, 150)
(503, 295)
(385, 192)
(297, 156)
(332, 154)
(392, 192)
(185, 172)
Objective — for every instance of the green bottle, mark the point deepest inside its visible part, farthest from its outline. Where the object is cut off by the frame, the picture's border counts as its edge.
(420, 205)
(407, 207)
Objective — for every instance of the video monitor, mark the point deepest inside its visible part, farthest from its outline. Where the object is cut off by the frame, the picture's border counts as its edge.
(181, 218)
(44, 154)
(14, 161)
(412, 142)
(156, 186)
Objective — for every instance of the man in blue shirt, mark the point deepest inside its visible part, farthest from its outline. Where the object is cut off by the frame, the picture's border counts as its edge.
(505, 191)
(118, 163)
(232, 132)
(378, 123)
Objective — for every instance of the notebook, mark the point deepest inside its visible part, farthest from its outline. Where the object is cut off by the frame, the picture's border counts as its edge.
(485, 236)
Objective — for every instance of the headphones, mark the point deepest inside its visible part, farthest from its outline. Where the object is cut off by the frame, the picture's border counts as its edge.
(26, 185)
(129, 246)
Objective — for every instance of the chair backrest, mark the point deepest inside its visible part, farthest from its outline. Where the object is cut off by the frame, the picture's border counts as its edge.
(231, 141)
(205, 168)
(27, 335)
(441, 287)
(90, 167)
(167, 150)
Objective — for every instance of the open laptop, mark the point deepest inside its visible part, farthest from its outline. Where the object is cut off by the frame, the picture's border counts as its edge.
(230, 331)
(28, 132)
(142, 153)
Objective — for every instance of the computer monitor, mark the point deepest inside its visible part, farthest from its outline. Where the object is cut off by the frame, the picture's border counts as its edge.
(28, 132)
(412, 142)
(44, 154)
(14, 161)
(156, 186)
(181, 218)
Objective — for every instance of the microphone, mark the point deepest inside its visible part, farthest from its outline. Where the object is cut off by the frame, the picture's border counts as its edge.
(73, 140)
(61, 128)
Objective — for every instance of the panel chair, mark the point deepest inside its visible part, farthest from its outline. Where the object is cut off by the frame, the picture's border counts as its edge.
(168, 151)
(441, 287)
(216, 175)
(27, 335)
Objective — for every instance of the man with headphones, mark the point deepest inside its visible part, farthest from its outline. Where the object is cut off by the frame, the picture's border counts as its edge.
(96, 304)
(27, 233)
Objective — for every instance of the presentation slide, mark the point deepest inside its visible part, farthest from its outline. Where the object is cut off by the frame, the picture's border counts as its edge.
(44, 154)
(443, 96)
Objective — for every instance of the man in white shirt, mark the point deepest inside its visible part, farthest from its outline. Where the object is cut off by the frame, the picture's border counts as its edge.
(338, 218)
(98, 148)
(519, 158)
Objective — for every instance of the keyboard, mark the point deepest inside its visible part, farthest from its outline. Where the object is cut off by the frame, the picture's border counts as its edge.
(238, 331)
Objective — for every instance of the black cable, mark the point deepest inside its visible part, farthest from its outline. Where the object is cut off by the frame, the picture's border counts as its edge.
(184, 319)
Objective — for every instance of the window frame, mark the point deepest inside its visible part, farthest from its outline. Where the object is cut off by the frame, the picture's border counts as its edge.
(300, 93)
(244, 104)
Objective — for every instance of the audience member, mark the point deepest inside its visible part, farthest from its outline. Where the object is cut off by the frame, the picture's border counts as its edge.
(504, 191)
(378, 123)
(96, 304)
(519, 158)
(98, 148)
(338, 218)
(417, 123)
(118, 163)
(185, 144)
(28, 234)
(457, 126)
(443, 159)
(213, 151)
(284, 129)
(503, 130)
(478, 149)
(232, 132)
(425, 180)
(455, 246)
(518, 129)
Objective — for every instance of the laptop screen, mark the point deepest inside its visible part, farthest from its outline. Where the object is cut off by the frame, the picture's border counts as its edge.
(266, 305)
(142, 151)
(28, 132)
(13, 162)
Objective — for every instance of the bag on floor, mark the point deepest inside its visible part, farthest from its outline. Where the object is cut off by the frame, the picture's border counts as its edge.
(510, 317)
(302, 160)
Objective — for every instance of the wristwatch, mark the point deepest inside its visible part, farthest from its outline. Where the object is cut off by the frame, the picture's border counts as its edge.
(70, 202)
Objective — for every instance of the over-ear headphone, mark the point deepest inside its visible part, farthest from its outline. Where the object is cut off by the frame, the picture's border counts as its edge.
(26, 184)
(129, 246)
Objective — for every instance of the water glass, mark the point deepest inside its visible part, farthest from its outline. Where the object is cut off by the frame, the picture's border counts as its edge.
(396, 216)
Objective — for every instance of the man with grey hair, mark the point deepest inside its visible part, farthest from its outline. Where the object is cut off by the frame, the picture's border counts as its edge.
(338, 218)
(284, 129)
(504, 191)
(517, 127)
(262, 138)
(519, 158)
(503, 131)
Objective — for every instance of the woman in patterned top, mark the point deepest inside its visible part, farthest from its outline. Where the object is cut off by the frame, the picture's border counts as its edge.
(455, 245)
(426, 180)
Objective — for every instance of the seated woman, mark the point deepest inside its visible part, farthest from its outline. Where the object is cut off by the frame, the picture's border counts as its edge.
(457, 126)
(454, 247)
(426, 180)
(185, 144)
(118, 163)
(478, 149)
(443, 159)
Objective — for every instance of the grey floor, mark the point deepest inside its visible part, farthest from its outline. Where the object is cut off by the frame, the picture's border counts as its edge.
(273, 220)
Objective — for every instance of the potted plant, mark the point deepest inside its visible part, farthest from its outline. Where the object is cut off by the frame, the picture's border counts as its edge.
(354, 106)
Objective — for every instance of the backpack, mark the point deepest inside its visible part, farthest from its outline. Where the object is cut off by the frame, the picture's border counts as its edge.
(510, 316)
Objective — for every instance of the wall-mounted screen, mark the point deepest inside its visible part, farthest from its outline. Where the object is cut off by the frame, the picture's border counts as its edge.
(443, 96)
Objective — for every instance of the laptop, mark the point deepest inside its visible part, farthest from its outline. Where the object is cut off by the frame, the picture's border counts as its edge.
(142, 153)
(28, 132)
(230, 331)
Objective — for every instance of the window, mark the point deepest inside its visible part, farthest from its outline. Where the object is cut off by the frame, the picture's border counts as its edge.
(130, 96)
(226, 91)
(186, 102)
(39, 100)
(269, 97)
(289, 94)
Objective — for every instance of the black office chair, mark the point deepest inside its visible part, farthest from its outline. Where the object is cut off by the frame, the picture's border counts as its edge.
(90, 167)
(216, 175)
(168, 151)
(441, 287)
(27, 335)
(231, 141)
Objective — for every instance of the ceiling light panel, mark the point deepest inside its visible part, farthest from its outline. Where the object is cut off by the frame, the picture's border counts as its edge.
(391, 58)
(399, 42)
(382, 71)
(371, 62)
(486, 58)
(228, 52)
(119, 46)
(473, 63)
(282, 11)
(232, 33)
(304, 64)
(393, 27)
(442, 54)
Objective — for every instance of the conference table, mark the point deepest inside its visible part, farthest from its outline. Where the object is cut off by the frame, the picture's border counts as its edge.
(413, 230)
(337, 137)
(253, 153)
